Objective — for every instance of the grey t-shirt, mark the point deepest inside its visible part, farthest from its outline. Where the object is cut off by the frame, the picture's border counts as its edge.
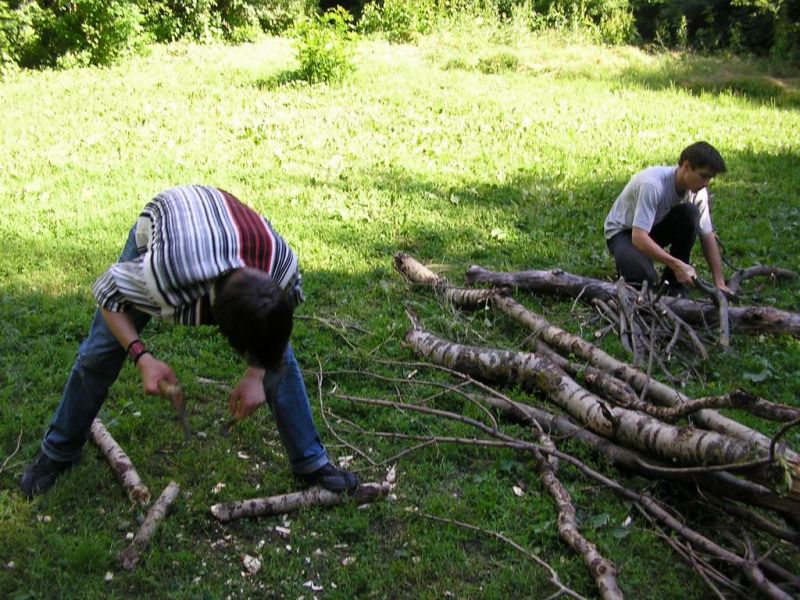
(646, 200)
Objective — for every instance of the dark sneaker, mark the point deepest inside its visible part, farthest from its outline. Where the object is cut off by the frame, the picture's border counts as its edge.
(331, 478)
(41, 474)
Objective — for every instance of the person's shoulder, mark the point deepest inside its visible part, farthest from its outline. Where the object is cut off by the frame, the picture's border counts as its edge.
(654, 174)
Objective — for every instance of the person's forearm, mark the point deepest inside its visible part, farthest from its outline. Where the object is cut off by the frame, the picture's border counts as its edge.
(121, 325)
(713, 257)
(642, 241)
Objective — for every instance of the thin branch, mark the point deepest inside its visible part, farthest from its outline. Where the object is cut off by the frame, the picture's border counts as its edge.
(10, 456)
(554, 578)
(328, 425)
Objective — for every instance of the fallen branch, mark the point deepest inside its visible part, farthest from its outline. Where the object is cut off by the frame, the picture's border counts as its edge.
(749, 568)
(751, 319)
(120, 464)
(277, 505)
(131, 555)
(774, 273)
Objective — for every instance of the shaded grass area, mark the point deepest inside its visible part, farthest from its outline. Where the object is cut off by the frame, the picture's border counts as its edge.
(511, 166)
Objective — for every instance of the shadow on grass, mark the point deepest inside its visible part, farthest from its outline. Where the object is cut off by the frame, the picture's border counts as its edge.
(706, 75)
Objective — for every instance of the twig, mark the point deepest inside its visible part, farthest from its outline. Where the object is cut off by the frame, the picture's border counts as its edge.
(10, 456)
(554, 578)
(131, 555)
(328, 425)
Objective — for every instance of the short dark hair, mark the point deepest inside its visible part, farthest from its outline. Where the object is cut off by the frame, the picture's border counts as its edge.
(254, 315)
(703, 155)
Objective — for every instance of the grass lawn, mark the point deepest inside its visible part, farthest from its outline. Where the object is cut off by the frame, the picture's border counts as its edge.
(435, 149)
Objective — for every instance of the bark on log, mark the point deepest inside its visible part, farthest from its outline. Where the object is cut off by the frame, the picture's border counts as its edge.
(754, 319)
(721, 483)
(683, 445)
(276, 505)
(131, 555)
(121, 465)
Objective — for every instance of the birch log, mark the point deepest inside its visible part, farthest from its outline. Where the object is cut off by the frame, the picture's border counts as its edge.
(682, 445)
(121, 465)
(131, 555)
(277, 505)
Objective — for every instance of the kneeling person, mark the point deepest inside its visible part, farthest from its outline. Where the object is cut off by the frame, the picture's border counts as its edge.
(196, 256)
(667, 206)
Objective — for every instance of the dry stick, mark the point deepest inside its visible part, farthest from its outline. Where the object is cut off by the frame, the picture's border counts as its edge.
(722, 306)
(411, 380)
(121, 465)
(720, 482)
(698, 344)
(131, 555)
(10, 456)
(315, 496)
(328, 425)
(749, 568)
(554, 579)
(739, 276)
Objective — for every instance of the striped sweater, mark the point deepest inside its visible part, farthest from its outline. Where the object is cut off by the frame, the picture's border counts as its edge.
(187, 237)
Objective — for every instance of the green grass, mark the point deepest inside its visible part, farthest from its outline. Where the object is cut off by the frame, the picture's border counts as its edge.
(419, 150)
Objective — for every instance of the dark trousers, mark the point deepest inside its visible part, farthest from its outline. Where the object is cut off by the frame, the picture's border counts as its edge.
(678, 230)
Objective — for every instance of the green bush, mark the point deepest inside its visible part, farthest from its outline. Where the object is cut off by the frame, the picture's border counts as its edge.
(72, 32)
(400, 21)
(325, 46)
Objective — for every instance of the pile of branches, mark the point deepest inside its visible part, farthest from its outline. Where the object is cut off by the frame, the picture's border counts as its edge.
(635, 422)
(650, 325)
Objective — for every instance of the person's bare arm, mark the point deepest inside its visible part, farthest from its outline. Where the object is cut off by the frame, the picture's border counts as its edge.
(642, 241)
(714, 259)
(150, 369)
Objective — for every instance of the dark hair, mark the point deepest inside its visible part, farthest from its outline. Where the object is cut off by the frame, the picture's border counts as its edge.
(255, 316)
(703, 155)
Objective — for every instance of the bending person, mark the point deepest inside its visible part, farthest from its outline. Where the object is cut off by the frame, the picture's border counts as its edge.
(196, 256)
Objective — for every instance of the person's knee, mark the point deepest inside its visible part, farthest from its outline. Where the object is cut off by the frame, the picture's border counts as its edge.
(688, 214)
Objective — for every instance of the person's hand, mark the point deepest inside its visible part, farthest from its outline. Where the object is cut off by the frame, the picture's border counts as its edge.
(153, 371)
(684, 273)
(248, 394)
(729, 293)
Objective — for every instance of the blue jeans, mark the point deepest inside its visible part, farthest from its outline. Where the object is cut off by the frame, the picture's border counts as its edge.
(100, 359)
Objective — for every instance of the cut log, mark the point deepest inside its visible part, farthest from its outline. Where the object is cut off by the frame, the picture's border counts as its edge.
(751, 319)
(131, 555)
(277, 505)
(121, 465)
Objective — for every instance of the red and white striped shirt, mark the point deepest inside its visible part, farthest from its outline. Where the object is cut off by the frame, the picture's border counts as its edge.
(187, 237)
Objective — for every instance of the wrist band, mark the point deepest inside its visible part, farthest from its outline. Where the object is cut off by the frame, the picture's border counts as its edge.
(136, 349)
